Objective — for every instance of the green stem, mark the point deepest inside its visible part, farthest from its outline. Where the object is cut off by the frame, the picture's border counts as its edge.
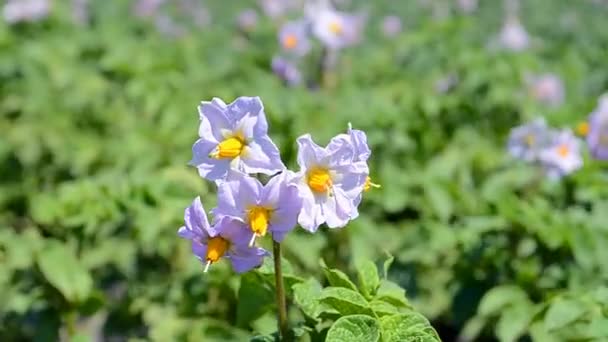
(280, 290)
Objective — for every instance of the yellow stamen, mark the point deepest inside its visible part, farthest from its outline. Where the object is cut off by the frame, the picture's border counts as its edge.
(368, 184)
(582, 129)
(229, 148)
(216, 247)
(563, 150)
(530, 140)
(290, 41)
(335, 27)
(319, 180)
(258, 220)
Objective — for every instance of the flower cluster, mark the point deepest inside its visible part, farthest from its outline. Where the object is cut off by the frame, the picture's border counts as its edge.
(334, 29)
(233, 146)
(557, 151)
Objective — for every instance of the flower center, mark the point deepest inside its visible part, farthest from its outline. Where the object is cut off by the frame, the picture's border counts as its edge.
(335, 27)
(530, 139)
(319, 180)
(290, 41)
(216, 247)
(563, 150)
(368, 184)
(258, 220)
(229, 148)
(582, 128)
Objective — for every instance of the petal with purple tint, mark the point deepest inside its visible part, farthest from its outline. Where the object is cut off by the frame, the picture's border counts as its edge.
(244, 258)
(197, 226)
(337, 209)
(213, 120)
(210, 168)
(261, 156)
(251, 106)
(309, 153)
(234, 230)
(236, 195)
(311, 215)
(286, 202)
(200, 251)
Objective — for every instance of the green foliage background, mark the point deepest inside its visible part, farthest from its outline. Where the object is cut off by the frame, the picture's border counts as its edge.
(97, 123)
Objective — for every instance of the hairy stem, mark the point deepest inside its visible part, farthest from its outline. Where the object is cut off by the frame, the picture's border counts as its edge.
(280, 291)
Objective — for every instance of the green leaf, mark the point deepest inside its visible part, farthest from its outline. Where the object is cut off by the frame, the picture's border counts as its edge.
(407, 327)
(354, 328)
(382, 308)
(439, 199)
(306, 296)
(62, 269)
(337, 278)
(514, 321)
(345, 301)
(497, 298)
(254, 299)
(369, 281)
(563, 312)
(391, 293)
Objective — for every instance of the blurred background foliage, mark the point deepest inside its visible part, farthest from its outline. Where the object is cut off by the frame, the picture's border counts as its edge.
(97, 123)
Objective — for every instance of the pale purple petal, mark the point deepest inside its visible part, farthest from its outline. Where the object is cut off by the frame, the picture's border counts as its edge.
(311, 216)
(261, 156)
(352, 179)
(213, 120)
(337, 209)
(234, 230)
(286, 202)
(245, 258)
(200, 251)
(197, 226)
(253, 106)
(210, 168)
(309, 153)
(236, 195)
(359, 141)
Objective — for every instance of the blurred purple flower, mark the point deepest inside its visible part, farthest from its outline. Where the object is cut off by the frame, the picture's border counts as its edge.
(547, 88)
(293, 38)
(168, 26)
(247, 20)
(335, 29)
(562, 155)
(446, 83)
(15, 11)
(147, 8)
(391, 26)
(329, 182)
(527, 141)
(277, 8)
(234, 136)
(597, 138)
(286, 70)
(224, 239)
(273, 207)
(467, 6)
(513, 35)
